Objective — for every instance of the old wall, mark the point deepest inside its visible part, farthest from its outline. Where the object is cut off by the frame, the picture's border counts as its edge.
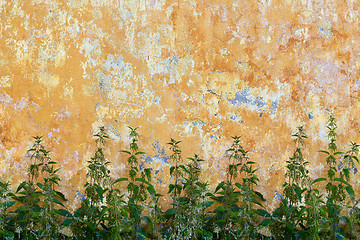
(197, 71)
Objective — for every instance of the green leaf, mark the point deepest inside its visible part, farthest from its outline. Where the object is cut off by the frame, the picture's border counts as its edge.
(350, 190)
(64, 212)
(151, 190)
(61, 195)
(260, 195)
(171, 188)
(263, 213)
(139, 153)
(148, 173)
(318, 180)
(120, 180)
(209, 203)
(68, 222)
(266, 222)
(219, 186)
(10, 203)
(172, 170)
(341, 180)
(58, 202)
(347, 174)
(323, 151)
(170, 212)
(238, 185)
(21, 186)
(140, 235)
(124, 151)
(256, 202)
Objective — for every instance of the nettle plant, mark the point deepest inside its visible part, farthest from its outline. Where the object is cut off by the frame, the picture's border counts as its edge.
(340, 193)
(235, 216)
(37, 215)
(289, 219)
(187, 218)
(89, 221)
(139, 188)
(174, 214)
(6, 202)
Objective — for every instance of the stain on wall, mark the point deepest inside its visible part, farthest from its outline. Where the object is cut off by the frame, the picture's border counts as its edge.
(196, 71)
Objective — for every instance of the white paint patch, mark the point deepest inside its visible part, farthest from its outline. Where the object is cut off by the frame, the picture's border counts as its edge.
(5, 98)
(64, 114)
(328, 75)
(5, 81)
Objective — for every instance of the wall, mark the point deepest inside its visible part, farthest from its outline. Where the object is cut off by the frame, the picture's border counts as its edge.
(196, 71)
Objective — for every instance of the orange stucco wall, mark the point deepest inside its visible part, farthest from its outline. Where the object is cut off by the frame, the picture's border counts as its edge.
(196, 71)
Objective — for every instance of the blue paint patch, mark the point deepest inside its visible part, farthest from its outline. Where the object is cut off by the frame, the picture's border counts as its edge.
(141, 166)
(161, 155)
(261, 115)
(310, 116)
(340, 167)
(325, 32)
(158, 180)
(174, 60)
(217, 71)
(161, 159)
(80, 196)
(258, 102)
(235, 118)
(148, 159)
(357, 83)
(278, 196)
(96, 107)
(274, 106)
(104, 82)
(214, 137)
(197, 123)
(244, 65)
(244, 96)
(160, 150)
(113, 131)
(241, 97)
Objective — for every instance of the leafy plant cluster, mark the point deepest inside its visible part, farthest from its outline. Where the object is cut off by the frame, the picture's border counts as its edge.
(128, 207)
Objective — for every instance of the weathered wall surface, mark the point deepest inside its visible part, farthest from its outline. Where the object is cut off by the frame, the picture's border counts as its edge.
(197, 71)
